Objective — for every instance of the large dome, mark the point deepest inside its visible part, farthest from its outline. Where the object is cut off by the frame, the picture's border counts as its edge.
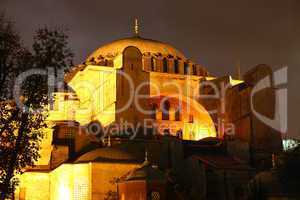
(144, 45)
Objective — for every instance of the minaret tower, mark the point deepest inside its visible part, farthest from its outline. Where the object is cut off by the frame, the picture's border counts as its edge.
(136, 27)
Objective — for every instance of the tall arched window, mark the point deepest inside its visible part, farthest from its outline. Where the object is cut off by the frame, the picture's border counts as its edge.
(179, 134)
(152, 64)
(177, 114)
(186, 68)
(165, 65)
(191, 119)
(165, 110)
(176, 68)
(194, 70)
(154, 111)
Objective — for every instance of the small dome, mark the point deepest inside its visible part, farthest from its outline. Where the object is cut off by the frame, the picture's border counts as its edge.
(109, 154)
(144, 45)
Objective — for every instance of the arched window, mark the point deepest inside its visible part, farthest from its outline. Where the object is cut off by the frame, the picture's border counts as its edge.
(165, 110)
(194, 70)
(152, 64)
(92, 60)
(177, 114)
(165, 65)
(179, 134)
(176, 68)
(166, 132)
(186, 68)
(154, 111)
(191, 119)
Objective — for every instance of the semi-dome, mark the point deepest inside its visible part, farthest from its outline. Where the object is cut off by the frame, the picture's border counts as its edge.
(144, 45)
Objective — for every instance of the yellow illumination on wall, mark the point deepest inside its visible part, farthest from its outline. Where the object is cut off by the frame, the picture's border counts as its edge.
(64, 193)
(95, 90)
(46, 148)
(200, 127)
(95, 86)
(118, 61)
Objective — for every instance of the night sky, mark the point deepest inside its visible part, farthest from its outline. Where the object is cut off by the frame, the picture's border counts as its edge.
(214, 33)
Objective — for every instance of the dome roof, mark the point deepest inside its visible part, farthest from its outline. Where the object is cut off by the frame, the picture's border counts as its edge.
(144, 45)
(108, 154)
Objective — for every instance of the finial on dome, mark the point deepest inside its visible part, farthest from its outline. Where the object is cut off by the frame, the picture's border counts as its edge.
(136, 27)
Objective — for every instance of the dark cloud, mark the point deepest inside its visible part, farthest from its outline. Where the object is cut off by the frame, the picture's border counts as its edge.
(214, 33)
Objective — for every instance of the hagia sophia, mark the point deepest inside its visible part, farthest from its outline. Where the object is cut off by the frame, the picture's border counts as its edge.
(178, 145)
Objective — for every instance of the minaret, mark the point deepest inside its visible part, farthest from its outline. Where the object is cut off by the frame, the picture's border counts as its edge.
(238, 70)
(136, 27)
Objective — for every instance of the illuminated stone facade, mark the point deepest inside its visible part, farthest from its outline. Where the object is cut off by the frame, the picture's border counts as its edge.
(116, 75)
(142, 82)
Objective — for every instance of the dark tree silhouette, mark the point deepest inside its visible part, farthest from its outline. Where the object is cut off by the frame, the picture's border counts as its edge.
(21, 133)
(50, 51)
(10, 51)
(21, 126)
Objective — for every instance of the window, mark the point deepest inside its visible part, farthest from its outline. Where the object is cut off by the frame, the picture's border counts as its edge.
(92, 60)
(166, 132)
(179, 134)
(165, 65)
(165, 110)
(186, 68)
(177, 114)
(191, 118)
(176, 69)
(152, 64)
(194, 70)
(153, 111)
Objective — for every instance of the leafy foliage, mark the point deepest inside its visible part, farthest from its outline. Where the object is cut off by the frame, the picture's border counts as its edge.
(50, 51)
(21, 127)
(21, 134)
(10, 52)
